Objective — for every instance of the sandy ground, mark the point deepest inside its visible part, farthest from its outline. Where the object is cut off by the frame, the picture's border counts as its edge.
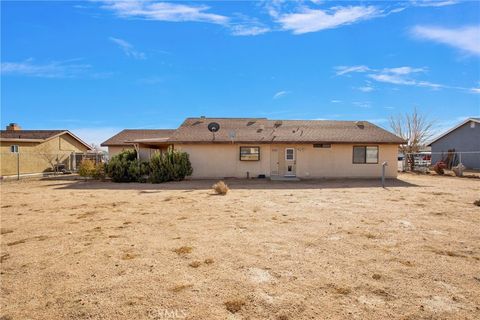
(267, 250)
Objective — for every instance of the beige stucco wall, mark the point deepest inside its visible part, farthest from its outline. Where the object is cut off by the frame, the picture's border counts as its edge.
(38, 157)
(114, 150)
(337, 161)
(222, 160)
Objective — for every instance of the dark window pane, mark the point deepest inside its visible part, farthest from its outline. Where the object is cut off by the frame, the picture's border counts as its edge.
(249, 153)
(290, 155)
(358, 154)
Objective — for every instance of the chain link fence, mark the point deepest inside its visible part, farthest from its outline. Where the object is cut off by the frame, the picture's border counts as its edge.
(424, 161)
(24, 164)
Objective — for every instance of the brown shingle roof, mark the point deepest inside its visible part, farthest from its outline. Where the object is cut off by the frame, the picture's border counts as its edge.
(29, 134)
(121, 138)
(37, 136)
(262, 130)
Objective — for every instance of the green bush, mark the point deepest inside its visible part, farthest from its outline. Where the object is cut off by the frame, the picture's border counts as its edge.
(124, 167)
(172, 165)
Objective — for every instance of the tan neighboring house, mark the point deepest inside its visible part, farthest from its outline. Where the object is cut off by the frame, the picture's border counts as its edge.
(253, 147)
(28, 152)
(138, 139)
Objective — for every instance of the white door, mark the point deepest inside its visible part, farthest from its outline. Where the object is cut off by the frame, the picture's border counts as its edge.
(274, 162)
(290, 161)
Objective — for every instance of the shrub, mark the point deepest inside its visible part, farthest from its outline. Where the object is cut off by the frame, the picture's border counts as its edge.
(124, 167)
(172, 165)
(439, 167)
(220, 188)
(477, 202)
(99, 171)
(87, 168)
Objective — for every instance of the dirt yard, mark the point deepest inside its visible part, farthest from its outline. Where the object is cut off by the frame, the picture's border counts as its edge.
(267, 250)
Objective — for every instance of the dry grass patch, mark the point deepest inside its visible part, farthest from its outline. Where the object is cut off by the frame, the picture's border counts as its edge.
(448, 253)
(181, 287)
(234, 305)
(344, 291)
(13, 243)
(208, 261)
(5, 231)
(183, 250)
(477, 203)
(4, 257)
(195, 264)
(370, 235)
(220, 188)
(129, 256)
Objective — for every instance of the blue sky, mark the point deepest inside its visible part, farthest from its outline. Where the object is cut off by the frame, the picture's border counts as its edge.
(96, 67)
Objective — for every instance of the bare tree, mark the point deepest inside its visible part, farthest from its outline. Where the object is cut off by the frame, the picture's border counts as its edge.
(415, 129)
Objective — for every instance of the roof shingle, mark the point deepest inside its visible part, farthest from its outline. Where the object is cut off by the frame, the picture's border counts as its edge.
(29, 134)
(122, 138)
(262, 130)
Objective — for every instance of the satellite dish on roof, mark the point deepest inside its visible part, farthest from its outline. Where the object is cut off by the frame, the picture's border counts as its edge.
(213, 127)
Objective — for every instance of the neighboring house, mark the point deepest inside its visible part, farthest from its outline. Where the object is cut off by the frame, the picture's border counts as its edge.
(464, 139)
(37, 151)
(250, 147)
(130, 139)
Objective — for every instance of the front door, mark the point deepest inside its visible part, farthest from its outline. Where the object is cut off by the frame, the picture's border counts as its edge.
(274, 162)
(290, 161)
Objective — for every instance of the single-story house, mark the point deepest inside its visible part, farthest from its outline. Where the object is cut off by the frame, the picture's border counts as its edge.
(252, 147)
(464, 138)
(129, 139)
(28, 152)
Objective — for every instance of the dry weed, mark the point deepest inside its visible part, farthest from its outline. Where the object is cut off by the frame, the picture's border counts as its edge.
(341, 290)
(234, 305)
(182, 250)
(181, 287)
(195, 264)
(220, 188)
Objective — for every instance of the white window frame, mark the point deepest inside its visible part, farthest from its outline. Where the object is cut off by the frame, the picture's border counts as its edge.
(286, 154)
(14, 148)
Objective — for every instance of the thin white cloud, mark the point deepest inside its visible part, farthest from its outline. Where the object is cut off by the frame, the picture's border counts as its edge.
(248, 30)
(433, 3)
(54, 69)
(465, 38)
(311, 20)
(475, 90)
(401, 80)
(335, 101)
(403, 70)
(342, 70)
(366, 88)
(398, 75)
(280, 94)
(164, 11)
(128, 49)
(362, 104)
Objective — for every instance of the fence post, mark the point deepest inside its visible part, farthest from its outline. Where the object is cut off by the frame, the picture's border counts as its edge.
(383, 173)
(18, 165)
